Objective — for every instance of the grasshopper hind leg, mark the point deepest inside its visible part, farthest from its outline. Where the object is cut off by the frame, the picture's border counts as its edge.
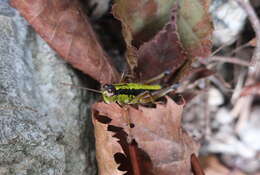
(158, 77)
(151, 97)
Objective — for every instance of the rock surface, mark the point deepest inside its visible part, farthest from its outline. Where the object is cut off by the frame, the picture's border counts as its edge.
(228, 19)
(45, 127)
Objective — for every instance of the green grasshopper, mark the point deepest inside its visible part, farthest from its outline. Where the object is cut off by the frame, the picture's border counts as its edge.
(134, 93)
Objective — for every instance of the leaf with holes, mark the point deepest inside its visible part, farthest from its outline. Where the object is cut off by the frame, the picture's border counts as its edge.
(159, 141)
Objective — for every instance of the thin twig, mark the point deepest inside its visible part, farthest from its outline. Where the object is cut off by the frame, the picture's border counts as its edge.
(255, 61)
(238, 87)
(230, 60)
(218, 49)
(244, 103)
(245, 112)
(248, 44)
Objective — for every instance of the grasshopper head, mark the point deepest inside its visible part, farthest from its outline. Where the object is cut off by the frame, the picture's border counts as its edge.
(108, 91)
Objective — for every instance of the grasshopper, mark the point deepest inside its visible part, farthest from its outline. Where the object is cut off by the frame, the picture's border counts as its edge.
(133, 93)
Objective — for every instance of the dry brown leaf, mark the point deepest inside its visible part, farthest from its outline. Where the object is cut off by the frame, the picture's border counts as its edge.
(151, 38)
(142, 20)
(129, 160)
(163, 52)
(67, 30)
(106, 146)
(157, 132)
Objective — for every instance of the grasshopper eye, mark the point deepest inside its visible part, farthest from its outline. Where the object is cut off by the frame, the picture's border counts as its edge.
(110, 89)
(105, 86)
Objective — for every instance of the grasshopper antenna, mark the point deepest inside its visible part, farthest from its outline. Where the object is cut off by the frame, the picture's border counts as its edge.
(85, 88)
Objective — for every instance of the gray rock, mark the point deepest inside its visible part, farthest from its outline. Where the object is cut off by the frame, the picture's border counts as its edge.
(228, 19)
(45, 127)
(250, 131)
(5, 8)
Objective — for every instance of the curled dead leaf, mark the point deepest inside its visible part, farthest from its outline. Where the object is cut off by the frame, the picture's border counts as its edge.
(66, 29)
(157, 132)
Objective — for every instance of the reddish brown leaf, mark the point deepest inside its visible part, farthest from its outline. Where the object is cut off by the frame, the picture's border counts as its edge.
(106, 146)
(67, 30)
(114, 154)
(251, 90)
(157, 132)
(163, 52)
(143, 19)
(134, 160)
(161, 48)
